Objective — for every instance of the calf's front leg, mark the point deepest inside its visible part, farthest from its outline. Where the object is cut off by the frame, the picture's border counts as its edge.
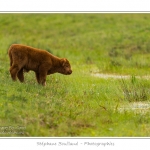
(41, 75)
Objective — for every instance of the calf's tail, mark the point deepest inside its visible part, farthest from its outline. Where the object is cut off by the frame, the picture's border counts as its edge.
(10, 56)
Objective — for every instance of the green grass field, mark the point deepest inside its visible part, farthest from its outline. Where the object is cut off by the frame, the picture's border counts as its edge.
(80, 104)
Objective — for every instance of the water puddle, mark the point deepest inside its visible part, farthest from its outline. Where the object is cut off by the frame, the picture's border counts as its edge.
(114, 76)
(138, 107)
(106, 76)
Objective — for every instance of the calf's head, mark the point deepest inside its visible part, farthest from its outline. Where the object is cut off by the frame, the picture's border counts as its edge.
(65, 67)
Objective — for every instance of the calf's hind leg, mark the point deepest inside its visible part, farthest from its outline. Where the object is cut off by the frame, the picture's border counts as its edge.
(14, 69)
(20, 75)
(37, 77)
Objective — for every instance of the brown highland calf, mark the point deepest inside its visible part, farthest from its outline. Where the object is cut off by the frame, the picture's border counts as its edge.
(25, 58)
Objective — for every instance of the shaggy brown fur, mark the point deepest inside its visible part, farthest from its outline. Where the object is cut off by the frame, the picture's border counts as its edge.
(40, 61)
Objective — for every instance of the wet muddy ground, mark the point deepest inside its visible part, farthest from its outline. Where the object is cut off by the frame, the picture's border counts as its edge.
(138, 107)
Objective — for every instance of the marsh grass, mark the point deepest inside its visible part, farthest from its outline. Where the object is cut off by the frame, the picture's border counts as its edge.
(135, 90)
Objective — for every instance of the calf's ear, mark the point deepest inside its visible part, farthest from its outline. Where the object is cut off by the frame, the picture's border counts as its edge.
(63, 61)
